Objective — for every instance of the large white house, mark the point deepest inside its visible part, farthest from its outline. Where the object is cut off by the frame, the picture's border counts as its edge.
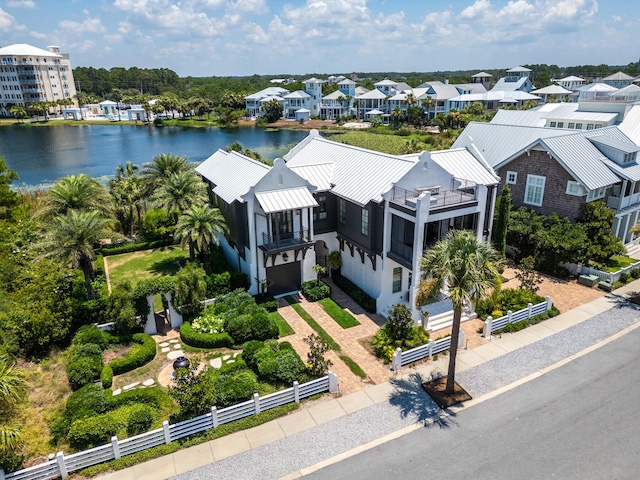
(31, 75)
(379, 211)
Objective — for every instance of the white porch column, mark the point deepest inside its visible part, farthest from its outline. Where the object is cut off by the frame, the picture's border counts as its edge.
(626, 228)
(150, 326)
(423, 203)
(176, 318)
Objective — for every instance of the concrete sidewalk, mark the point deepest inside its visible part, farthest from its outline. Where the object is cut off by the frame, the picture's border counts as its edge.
(318, 415)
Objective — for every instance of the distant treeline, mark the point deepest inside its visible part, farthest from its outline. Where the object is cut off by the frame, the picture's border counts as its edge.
(163, 81)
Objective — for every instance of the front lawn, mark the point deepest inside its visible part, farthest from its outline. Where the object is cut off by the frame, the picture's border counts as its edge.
(618, 262)
(142, 265)
(339, 314)
(312, 323)
(283, 327)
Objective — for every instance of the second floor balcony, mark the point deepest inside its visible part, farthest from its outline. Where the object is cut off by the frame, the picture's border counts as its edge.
(439, 198)
(285, 241)
(622, 202)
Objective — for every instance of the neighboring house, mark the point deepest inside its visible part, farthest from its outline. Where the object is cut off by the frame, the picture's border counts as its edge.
(380, 211)
(553, 170)
(255, 101)
(32, 75)
(517, 79)
(571, 82)
(491, 100)
(482, 78)
(296, 101)
(557, 92)
(619, 80)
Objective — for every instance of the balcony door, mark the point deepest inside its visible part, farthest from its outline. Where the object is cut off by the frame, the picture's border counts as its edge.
(282, 224)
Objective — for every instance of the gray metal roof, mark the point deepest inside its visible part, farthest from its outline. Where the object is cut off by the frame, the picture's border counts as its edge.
(286, 199)
(527, 118)
(618, 76)
(631, 124)
(470, 87)
(298, 94)
(623, 146)
(462, 164)
(508, 85)
(582, 160)
(358, 175)
(25, 50)
(570, 113)
(385, 82)
(629, 172)
(372, 95)
(481, 74)
(318, 175)
(441, 91)
(552, 90)
(223, 166)
(519, 69)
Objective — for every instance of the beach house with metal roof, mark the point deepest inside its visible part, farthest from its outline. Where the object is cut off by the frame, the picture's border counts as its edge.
(379, 211)
(557, 170)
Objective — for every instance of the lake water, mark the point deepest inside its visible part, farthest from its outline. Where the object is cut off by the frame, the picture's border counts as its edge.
(42, 155)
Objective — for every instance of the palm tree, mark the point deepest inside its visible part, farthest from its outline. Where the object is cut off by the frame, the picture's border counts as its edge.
(468, 269)
(397, 114)
(197, 226)
(13, 388)
(356, 103)
(428, 103)
(71, 238)
(18, 111)
(127, 189)
(180, 191)
(162, 167)
(76, 192)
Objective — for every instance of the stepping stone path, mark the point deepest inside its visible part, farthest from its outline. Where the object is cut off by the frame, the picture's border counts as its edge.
(216, 362)
(174, 340)
(117, 391)
(130, 386)
(226, 357)
(175, 354)
(164, 344)
(148, 383)
(177, 346)
(165, 349)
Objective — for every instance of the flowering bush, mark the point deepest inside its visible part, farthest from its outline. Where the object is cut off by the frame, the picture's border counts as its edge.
(208, 322)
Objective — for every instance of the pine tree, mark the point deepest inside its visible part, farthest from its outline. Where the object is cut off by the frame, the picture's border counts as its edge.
(502, 221)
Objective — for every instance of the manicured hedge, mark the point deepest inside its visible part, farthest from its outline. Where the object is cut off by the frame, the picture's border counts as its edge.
(85, 365)
(143, 351)
(153, 396)
(204, 340)
(314, 290)
(135, 247)
(106, 377)
(356, 293)
(98, 430)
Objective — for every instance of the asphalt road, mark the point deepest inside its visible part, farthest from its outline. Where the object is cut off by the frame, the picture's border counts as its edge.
(580, 421)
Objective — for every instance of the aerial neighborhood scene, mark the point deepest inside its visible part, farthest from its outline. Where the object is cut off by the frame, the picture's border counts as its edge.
(260, 239)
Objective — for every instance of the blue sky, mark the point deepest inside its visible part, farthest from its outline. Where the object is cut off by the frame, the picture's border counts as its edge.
(243, 37)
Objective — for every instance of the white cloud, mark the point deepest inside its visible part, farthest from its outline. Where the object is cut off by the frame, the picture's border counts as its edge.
(113, 38)
(616, 18)
(88, 25)
(7, 22)
(479, 10)
(21, 4)
(38, 35)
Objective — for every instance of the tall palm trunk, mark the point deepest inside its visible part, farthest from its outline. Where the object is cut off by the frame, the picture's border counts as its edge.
(206, 259)
(192, 250)
(89, 276)
(455, 334)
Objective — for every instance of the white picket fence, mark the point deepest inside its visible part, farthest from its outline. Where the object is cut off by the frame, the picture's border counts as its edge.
(400, 358)
(610, 277)
(493, 324)
(62, 465)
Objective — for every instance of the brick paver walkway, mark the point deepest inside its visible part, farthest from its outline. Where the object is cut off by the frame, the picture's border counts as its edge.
(347, 381)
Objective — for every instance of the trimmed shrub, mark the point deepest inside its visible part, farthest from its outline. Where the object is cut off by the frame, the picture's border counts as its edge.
(249, 351)
(235, 388)
(139, 420)
(251, 326)
(204, 340)
(98, 430)
(106, 377)
(625, 277)
(356, 293)
(135, 247)
(143, 351)
(635, 273)
(85, 365)
(152, 396)
(385, 346)
(314, 290)
(85, 402)
(218, 284)
(91, 334)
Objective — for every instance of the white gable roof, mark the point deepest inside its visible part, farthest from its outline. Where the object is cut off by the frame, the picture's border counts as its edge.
(232, 174)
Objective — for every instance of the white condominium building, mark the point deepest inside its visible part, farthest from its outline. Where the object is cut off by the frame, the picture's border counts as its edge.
(31, 75)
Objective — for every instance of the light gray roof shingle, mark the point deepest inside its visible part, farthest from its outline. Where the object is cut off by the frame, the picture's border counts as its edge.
(286, 199)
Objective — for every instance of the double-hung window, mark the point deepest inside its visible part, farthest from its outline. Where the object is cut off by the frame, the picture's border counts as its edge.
(342, 211)
(534, 192)
(397, 279)
(365, 221)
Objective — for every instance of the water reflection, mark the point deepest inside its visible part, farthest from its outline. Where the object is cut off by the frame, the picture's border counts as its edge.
(41, 155)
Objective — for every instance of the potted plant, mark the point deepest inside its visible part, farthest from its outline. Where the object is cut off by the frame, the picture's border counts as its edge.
(427, 293)
(335, 262)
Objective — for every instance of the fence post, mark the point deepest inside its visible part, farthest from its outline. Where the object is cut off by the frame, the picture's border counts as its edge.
(61, 465)
(549, 302)
(430, 348)
(115, 447)
(460, 338)
(256, 403)
(167, 433)
(488, 326)
(333, 382)
(296, 391)
(509, 315)
(396, 360)
(529, 307)
(214, 416)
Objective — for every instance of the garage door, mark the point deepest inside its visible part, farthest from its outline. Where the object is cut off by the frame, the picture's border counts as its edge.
(284, 278)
